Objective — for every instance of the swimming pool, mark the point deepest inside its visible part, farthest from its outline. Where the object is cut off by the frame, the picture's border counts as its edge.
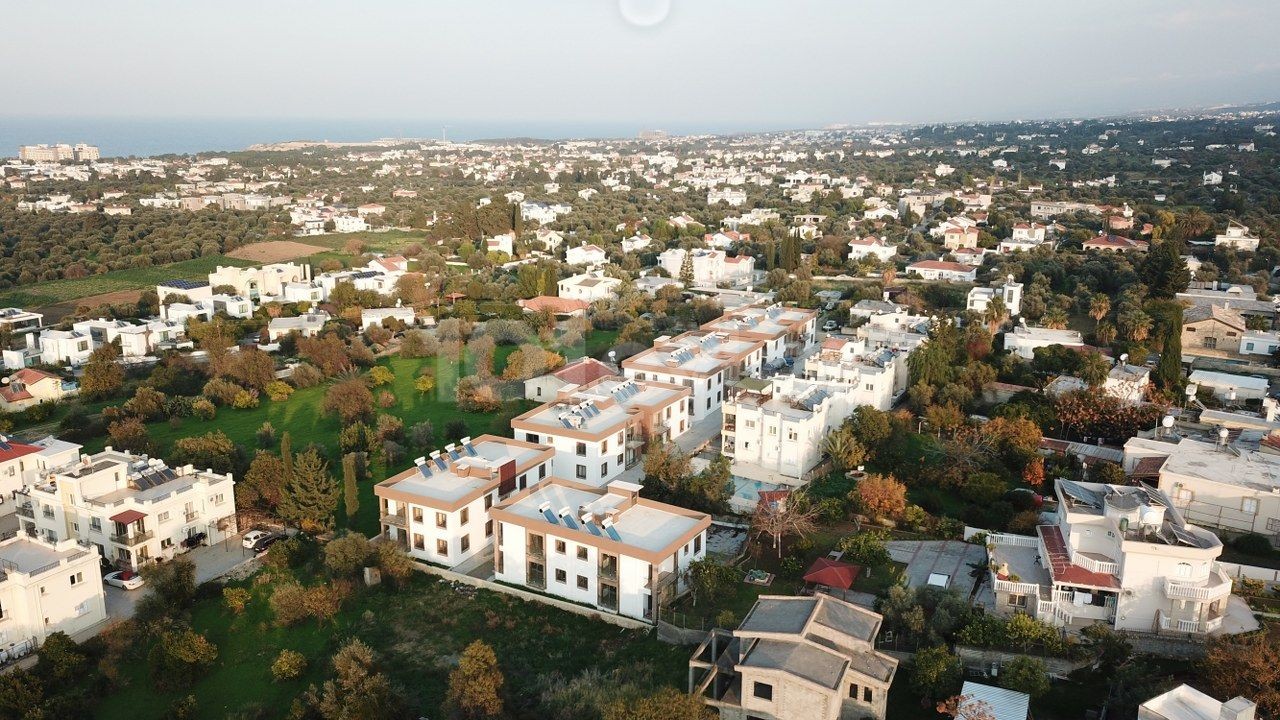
(746, 492)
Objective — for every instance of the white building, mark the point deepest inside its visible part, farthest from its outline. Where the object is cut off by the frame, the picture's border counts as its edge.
(504, 243)
(17, 321)
(778, 425)
(349, 224)
(47, 588)
(258, 284)
(306, 325)
(602, 428)
(1023, 340)
(710, 267)
(371, 317)
(1187, 703)
(133, 509)
(585, 255)
(635, 243)
(64, 347)
(701, 360)
(1230, 387)
(1009, 291)
(944, 271)
(1119, 555)
(606, 548)
(872, 246)
(1237, 236)
(589, 287)
(875, 376)
(787, 332)
(728, 196)
(136, 340)
(439, 510)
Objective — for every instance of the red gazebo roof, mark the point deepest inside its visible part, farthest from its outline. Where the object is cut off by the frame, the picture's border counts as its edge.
(832, 573)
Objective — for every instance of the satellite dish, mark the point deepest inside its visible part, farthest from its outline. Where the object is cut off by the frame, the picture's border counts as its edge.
(613, 355)
(1124, 358)
(1167, 421)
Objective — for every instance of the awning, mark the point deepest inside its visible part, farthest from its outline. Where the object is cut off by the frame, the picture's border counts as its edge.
(832, 573)
(127, 517)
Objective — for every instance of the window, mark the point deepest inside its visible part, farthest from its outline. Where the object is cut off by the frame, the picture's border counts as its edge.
(561, 577)
(95, 524)
(853, 692)
(488, 528)
(560, 547)
(77, 578)
(542, 471)
(582, 582)
(773, 430)
(531, 437)
(749, 423)
(697, 544)
(465, 516)
(618, 460)
(466, 543)
(581, 449)
(580, 471)
(1248, 346)
(764, 691)
(1209, 342)
(866, 695)
(488, 501)
(442, 548)
(1249, 506)
(419, 543)
(166, 543)
(417, 514)
(604, 469)
(582, 552)
(442, 520)
(1018, 601)
(217, 499)
(604, 446)
(791, 435)
(1184, 570)
(163, 517)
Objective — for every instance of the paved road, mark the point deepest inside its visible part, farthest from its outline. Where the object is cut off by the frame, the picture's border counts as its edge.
(212, 562)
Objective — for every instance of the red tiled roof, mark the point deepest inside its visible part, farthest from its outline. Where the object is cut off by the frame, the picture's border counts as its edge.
(16, 450)
(554, 304)
(584, 371)
(832, 573)
(1061, 568)
(1149, 466)
(127, 516)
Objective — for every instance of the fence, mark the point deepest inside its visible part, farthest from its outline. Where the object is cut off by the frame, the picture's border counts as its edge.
(1253, 572)
(594, 614)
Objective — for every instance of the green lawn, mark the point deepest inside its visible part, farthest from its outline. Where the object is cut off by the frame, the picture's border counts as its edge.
(417, 632)
(58, 291)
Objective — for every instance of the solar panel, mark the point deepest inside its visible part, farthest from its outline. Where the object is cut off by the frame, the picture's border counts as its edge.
(612, 532)
(569, 522)
(565, 422)
(550, 516)
(591, 528)
(1083, 494)
(454, 454)
(1185, 537)
(440, 463)
(4, 445)
(466, 445)
(1154, 496)
(424, 469)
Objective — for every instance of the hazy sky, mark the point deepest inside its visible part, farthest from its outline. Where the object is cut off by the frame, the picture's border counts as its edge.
(716, 63)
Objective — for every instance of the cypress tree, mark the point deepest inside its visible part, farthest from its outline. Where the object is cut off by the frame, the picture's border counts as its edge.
(351, 493)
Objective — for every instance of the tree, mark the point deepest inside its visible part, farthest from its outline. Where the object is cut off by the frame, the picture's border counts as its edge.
(1094, 369)
(425, 383)
(351, 492)
(358, 690)
(1168, 317)
(1099, 306)
(866, 549)
(103, 376)
(1025, 674)
(996, 314)
(686, 269)
(935, 673)
(380, 375)
(707, 578)
(347, 554)
(131, 434)
(880, 496)
(350, 399)
(475, 686)
(310, 495)
(1245, 666)
(787, 516)
(179, 656)
(263, 483)
(845, 450)
(213, 450)
(666, 704)
(21, 694)
(171, 584)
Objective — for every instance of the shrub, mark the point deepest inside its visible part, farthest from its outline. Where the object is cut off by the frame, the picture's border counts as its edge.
(394, 564)
(236, 599)
(221, 392)
(288, 603)
(245, 399)
(279, 391)
(381, 375)
(1253, 544)
(203, 409)
(347, 554)
(289, 665)
(386, 399)
(266, 434)
(306, 375)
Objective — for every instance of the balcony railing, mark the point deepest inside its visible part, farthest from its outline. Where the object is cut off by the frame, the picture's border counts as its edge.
(27, 511)
(134, 539)
(1099, 566)
(609, 572)
(1190, 626)
(536, 552)
(1217, 586)
(396, 519)
(1017, 588)
(191, 515)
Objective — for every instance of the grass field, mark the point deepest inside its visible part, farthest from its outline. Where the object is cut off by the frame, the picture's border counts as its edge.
(417, 632)
(61, 291)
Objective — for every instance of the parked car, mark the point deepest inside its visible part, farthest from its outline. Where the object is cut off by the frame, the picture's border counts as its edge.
(252, 537)
(829, 325)
(266, 541)
(195, 540)
(124, 579)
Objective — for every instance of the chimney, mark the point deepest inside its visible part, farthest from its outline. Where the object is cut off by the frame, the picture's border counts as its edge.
(1237, 709)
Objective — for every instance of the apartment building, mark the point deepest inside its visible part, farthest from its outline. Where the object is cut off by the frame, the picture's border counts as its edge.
(46, 588)
(1116, 554)
(439, 510)
(607, 547)
(1230, 484)
(874, 376)
(700, 360)
(778, 424)
(796, 658)
(16, 320)
(602, 428)
(132, 508)
(1009, 292)
(61, 152)
(787, 332)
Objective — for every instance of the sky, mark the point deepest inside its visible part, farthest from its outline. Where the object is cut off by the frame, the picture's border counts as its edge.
(720, 65)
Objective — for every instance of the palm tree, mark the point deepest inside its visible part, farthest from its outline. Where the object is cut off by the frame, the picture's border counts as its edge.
(845, 450)
(1099, 306)
(1194, 223)
(996, 313)
(1135, 324)
(1094, 369)
(1054, 319)
(888, 275)
(1106, 333)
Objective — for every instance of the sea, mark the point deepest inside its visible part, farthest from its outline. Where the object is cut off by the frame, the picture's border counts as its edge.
(141, 137)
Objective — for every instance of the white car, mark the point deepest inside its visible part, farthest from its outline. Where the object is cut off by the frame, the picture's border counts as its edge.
(252, 537)
(829, 325)
(124, 579)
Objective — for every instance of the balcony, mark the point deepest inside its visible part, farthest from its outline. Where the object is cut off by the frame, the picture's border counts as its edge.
(536, 552)
(1190, 626)
(395, 519)
(27, 511)
(1216, 586)
(191, 516)
(609, 572)
(135, 539)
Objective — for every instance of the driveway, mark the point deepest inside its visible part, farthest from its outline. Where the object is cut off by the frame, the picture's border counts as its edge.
(212, 562)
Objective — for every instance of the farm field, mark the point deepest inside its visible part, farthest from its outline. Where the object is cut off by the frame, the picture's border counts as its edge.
(273, 251)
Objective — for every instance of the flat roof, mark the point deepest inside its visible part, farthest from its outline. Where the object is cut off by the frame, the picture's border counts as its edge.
(27, 556)
(801, 659)
(448, 486)
(644, 526)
